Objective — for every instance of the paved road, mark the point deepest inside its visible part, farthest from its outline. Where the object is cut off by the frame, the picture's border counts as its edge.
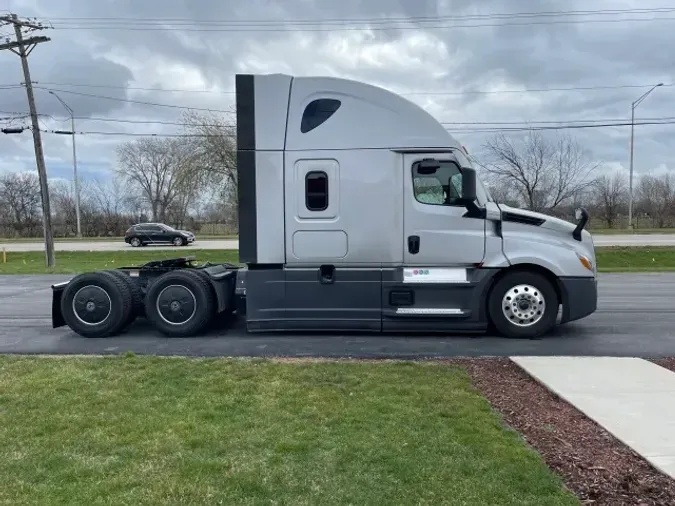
(600, 240)
(635, 240)
(636, 317)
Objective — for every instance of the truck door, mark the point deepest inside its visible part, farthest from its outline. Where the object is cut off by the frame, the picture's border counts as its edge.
(437, 230)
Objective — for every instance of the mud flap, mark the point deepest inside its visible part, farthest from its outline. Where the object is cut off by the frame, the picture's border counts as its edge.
(57, 316)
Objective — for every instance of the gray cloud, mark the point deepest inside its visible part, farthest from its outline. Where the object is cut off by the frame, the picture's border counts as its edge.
(428, 59)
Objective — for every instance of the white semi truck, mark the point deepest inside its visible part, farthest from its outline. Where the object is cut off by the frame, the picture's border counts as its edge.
(358, 211)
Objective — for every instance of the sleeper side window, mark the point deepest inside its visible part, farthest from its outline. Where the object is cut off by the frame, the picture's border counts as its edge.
(317, 112)
(437, 183)
(316, 190)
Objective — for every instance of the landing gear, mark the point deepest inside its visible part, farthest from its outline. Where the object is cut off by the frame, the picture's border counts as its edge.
(523, 305)
(180, 303)
(97, 304)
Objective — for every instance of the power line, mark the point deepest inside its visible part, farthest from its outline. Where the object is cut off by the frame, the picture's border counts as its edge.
(342, 24)
(447, 123)
(133, 88)
(458, 93)
(377, 19)
(533, 90)
(559, 127)
(601, 120)
(131, 27)
(131, 101)
(457, 130)
(150, 122)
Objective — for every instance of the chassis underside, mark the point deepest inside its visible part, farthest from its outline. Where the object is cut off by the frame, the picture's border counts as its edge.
(179, 297)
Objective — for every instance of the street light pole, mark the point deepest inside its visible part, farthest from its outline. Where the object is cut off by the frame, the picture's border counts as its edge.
(632, 137)
(77, 182)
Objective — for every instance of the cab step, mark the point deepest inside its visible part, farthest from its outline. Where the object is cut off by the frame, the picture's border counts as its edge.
(429, 312)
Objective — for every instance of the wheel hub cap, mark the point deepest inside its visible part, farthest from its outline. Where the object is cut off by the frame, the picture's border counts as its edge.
(92, 305)
(176, 304)
(523, 305)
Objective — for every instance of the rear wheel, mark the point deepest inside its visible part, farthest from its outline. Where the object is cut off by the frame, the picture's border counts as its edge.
(180, 303)
(136, 295)
(96, 304)
(135, 242)
(523, 304)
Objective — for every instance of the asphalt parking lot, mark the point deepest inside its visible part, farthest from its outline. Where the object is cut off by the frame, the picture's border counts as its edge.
(635, 317)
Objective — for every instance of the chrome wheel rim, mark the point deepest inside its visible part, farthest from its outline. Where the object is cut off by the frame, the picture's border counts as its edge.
(523, 305)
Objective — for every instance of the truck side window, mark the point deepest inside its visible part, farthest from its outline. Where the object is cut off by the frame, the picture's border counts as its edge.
(316, 190)
(440, 187)
(317, 112)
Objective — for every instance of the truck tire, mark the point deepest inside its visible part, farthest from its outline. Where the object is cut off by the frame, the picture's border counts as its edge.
(138, 308)
(523, 305)
(181, 303)
(96, 304)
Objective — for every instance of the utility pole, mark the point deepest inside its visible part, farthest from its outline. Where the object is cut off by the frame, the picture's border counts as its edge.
(22, 48)
(77, 182)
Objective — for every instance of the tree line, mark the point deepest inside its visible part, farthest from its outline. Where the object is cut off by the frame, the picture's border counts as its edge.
(555, 175)
(190, 181)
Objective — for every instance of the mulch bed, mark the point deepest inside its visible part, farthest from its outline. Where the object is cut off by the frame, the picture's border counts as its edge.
(594, 465)
(668, 363)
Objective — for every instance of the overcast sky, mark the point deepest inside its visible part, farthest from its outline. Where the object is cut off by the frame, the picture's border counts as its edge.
(461, 70)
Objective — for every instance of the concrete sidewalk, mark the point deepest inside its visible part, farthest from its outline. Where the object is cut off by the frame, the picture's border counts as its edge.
(632, 398)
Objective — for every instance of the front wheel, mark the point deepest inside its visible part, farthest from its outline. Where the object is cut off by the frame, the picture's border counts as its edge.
(523, 305)
(178, 241)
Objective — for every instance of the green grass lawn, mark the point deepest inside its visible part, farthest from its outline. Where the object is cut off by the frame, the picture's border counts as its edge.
(14, 240)
(70, 262)
(636, 259)
(610, 259)
(148, 430)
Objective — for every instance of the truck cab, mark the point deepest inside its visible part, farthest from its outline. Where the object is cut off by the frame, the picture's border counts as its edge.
(358, 211)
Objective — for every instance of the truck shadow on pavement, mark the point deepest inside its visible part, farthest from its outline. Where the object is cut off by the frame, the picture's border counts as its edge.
(231, 327)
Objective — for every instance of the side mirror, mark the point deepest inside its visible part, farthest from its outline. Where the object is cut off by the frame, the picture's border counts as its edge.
(468, 186)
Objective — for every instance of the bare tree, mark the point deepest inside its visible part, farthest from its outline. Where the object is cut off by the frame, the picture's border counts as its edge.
(656, 197)
(611, 193)
(63, 208)
(111, 199)
(20, 197)
(544, 173)
(163, 171)
(215, 140)
(503, 192)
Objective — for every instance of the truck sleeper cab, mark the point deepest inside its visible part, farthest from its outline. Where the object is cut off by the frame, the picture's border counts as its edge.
(358, 211)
